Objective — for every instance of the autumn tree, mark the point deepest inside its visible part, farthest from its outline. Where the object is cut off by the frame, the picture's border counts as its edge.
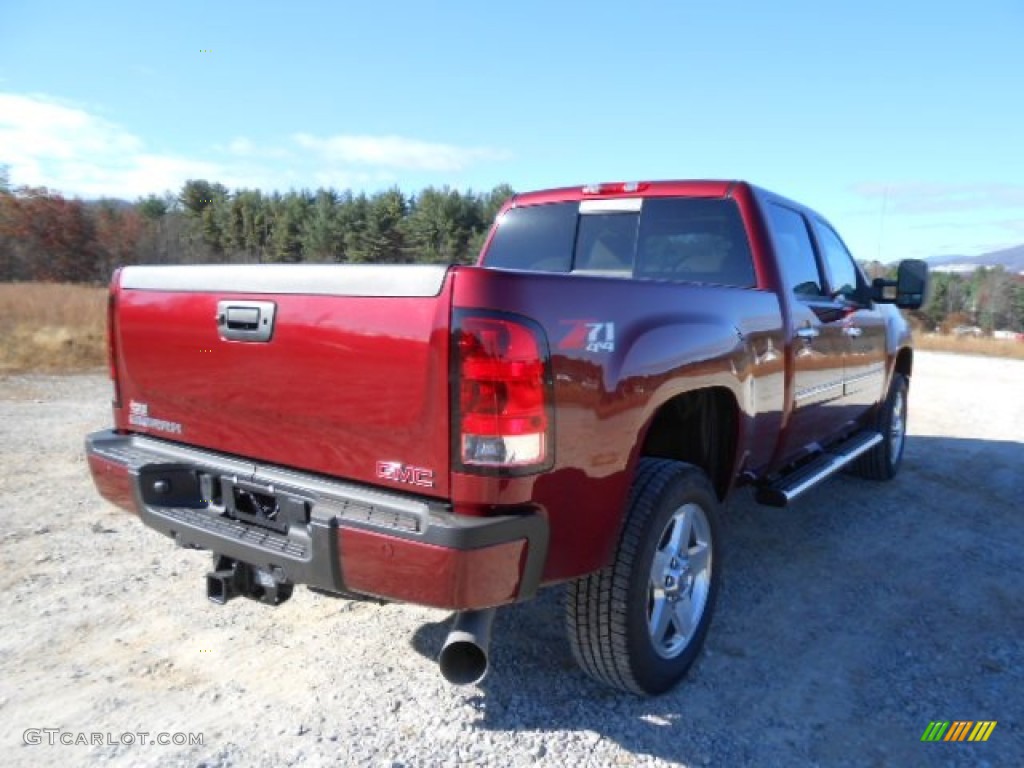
(54, 238)
(119, 229)
(8, 242)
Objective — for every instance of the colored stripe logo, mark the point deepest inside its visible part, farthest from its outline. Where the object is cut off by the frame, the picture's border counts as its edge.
(959, 730)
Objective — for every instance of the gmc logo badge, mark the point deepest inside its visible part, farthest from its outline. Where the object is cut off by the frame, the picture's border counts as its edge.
(397, 472)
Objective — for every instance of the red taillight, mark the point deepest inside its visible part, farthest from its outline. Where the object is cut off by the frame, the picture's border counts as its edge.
(111, 337)
(503, 393)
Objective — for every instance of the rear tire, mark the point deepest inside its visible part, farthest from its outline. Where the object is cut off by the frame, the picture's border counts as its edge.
(639, 623)
(883, 461)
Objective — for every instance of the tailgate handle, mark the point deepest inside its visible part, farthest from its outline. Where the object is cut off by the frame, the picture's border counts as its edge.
(246, 320)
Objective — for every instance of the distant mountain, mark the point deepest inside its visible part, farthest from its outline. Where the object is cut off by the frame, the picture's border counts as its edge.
(1010, 258)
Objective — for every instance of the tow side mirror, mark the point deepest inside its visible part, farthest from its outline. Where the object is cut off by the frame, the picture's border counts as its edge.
(908, 291)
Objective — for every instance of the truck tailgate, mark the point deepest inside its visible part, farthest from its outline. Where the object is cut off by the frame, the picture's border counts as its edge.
(350, 382)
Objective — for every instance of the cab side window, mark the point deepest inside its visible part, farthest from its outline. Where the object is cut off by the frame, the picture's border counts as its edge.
(844, 276)
(795, 252)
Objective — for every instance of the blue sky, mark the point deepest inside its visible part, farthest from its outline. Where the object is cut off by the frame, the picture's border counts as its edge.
(903, 122)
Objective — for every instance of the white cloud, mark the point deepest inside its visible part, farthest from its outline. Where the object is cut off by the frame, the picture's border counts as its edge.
(395, 152)
(49, 144)
(32, 128)
(241, 146)
(69, 149)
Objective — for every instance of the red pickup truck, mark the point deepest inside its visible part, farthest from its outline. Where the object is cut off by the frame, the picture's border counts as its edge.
(573, 409)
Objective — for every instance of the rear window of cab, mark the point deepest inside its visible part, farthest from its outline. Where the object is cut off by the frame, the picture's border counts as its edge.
(683, 239)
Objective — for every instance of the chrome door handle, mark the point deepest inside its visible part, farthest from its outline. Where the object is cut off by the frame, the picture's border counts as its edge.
(852, 330)
(808, 333)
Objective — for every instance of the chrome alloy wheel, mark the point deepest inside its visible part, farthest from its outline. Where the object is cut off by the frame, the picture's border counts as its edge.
(897, 425)
(680, 580)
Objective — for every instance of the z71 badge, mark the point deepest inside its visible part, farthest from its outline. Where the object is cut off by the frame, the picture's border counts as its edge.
(589, 335)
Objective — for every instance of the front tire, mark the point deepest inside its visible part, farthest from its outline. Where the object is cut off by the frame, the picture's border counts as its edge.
(639, 623)
(883, 461)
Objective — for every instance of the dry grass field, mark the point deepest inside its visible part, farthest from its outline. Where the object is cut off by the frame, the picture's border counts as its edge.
(52, 327)
(968, 345)
(61, 328)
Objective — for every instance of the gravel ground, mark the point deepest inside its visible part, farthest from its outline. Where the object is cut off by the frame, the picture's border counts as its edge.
(845, 625)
